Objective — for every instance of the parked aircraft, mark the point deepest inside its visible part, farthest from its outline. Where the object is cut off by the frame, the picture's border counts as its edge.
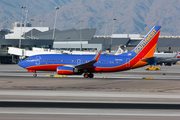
(67, 64)
(167, 60)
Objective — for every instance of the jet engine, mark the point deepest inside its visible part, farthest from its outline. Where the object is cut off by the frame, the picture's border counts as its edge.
(68, 70)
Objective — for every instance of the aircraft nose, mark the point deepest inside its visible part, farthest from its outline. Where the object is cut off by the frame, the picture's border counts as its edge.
(21, 64)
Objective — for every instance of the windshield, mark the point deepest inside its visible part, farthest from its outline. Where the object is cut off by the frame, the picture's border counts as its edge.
(27, 59)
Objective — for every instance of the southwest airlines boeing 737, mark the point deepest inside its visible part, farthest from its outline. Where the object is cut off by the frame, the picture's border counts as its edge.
(66, 64)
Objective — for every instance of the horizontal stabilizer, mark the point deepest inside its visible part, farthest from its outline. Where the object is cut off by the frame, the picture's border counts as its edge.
(149, 59)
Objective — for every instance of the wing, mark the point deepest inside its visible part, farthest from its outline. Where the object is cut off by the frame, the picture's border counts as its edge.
(152, 60)
(161, 58)
(90, 63)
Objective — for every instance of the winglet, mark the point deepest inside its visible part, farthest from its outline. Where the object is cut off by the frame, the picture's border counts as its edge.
(96, 58)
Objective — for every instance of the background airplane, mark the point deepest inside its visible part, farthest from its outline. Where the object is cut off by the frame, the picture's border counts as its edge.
(160, 58)
(167, 60)
(67, 64)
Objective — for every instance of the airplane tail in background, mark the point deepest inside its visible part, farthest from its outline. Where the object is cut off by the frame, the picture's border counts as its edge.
(147, 46)
(119, 51)
(177, 55)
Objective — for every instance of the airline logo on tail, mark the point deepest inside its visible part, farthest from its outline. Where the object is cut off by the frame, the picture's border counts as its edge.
(145, 41)
(178, 56)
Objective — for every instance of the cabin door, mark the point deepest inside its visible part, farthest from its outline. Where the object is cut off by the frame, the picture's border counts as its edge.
(38, 59)
(78, 61)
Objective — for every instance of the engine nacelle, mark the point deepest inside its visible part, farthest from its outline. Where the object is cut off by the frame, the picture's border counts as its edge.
(65, 70)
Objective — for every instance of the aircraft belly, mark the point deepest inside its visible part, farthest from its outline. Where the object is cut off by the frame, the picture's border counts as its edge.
(44, 67)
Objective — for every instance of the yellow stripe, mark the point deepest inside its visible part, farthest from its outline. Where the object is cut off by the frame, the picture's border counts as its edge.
(144, 57)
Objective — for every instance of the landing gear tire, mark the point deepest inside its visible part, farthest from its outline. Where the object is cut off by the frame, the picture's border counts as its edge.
(86, 75)
(34, 75)
(90, 75)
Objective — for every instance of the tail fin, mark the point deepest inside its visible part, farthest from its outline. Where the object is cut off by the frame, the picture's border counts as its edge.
(119, 51)
(147, 46)
(177, 55)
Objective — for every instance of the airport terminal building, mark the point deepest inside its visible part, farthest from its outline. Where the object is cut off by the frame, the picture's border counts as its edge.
(74, 39)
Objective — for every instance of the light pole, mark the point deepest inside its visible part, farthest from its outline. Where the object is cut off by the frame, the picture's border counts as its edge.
(32, 28)
(7, 28)
(105, 28)
(90, 24)
(26, 11)
(41, 21)
(80, 35)
(22, 7)
(57, 8)
(112, 33)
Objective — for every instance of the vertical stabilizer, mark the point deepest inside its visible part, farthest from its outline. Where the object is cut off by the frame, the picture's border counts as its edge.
(147, 46)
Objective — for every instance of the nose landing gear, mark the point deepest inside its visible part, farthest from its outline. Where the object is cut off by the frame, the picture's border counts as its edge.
(35, 75)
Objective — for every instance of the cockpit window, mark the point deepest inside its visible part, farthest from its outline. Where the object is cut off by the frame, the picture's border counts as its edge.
(27, 59)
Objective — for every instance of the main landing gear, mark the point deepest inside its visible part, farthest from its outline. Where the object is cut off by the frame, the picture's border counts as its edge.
(88, 75)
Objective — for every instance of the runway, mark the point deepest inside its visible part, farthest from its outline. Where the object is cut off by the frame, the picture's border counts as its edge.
(87, 114)
(16, 84)
(134, 100)
(167, 80)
